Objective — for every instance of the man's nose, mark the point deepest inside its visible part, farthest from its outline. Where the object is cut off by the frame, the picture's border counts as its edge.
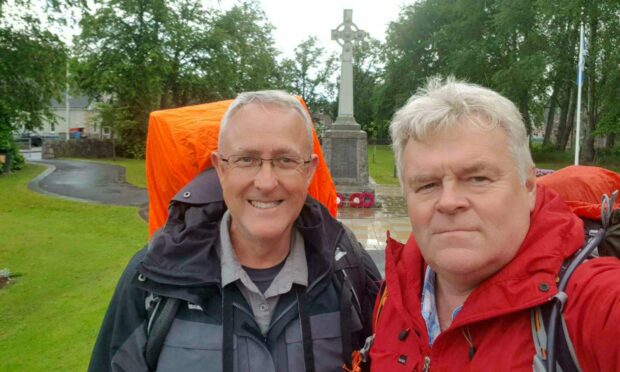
(266, 178)
(451, 199)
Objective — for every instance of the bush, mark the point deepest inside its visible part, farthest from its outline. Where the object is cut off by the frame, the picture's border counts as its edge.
(608, 156)
(550, 154)
(16, 159)
(18, 162)
(131, 150)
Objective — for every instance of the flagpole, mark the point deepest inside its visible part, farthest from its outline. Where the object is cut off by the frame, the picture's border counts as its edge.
(580, 69)
(67, 106)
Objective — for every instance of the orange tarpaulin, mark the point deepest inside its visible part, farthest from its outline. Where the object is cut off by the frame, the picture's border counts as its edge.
(179, 145)
(582, 187)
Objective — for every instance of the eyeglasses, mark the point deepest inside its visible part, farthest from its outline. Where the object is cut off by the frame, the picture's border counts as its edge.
(282, 165)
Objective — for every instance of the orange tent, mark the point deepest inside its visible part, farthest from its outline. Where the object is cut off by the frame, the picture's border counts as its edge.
(582, 187)
(179, 145)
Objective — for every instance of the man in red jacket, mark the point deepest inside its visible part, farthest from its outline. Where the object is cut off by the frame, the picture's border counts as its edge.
(486, 245)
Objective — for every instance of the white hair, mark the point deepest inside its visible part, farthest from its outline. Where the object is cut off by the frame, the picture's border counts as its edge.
(439, 108)
(278, 98)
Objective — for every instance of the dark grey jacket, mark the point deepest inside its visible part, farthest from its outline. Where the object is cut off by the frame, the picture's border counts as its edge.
(181, 262)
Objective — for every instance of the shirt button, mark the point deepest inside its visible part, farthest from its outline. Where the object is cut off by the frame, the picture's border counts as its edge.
(262, 307)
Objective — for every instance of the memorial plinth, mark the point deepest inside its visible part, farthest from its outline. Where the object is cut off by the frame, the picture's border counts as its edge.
(344, 143)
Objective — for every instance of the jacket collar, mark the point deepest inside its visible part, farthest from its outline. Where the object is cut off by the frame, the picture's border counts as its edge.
(528, 280)
(183, 252)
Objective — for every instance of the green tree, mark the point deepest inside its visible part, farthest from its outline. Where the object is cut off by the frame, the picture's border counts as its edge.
(120, 56)
(32, 72)
(492, 43)
(526, 50)
(602, 24)
(244, 55)
(114, 118)
(367, 78)
(310, 74)
(145, 55)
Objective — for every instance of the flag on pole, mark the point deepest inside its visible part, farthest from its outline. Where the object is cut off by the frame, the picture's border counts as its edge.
(583, 52)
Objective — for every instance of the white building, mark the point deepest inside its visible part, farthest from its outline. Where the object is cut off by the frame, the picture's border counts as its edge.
(80, 119)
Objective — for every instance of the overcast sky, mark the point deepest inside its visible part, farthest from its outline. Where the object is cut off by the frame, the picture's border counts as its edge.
(294, 21)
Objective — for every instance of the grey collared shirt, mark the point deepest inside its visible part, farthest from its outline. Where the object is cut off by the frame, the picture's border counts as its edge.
(294, 271)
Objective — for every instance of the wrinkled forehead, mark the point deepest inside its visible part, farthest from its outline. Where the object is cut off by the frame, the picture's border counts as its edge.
(261, 109)
(453, 127)
(262, 115)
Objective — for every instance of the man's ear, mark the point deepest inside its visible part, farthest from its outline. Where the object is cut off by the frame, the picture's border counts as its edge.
(530, 185)
(314, 161)
(217, 164)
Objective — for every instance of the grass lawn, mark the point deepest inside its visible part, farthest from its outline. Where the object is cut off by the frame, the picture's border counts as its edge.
(67, 257)
(381, 164)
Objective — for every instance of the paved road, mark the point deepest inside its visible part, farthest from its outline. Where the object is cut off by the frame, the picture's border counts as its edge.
(88, 181)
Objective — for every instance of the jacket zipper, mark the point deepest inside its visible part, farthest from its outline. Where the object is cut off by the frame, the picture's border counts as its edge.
(427, 364)
(331, 265)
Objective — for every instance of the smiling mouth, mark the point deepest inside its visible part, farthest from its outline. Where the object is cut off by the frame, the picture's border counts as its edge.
(265, 205)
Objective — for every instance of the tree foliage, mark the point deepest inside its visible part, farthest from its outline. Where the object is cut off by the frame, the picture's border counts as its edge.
(32, 72)
(150, 54)
(310, 74)
(367, 80)
(526, 50)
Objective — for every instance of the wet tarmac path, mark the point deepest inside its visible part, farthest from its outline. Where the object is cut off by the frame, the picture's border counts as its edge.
(89, 182)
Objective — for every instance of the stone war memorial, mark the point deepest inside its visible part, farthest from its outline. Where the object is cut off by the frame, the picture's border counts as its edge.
(345, 143)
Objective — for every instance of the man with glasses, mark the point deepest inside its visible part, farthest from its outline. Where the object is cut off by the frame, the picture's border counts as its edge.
(268, 279)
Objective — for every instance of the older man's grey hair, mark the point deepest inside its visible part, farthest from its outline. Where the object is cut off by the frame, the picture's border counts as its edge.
(277, 98)
(439, 108)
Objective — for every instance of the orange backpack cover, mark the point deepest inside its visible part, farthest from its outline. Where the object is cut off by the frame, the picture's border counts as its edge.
(582, 187)
(179, 145)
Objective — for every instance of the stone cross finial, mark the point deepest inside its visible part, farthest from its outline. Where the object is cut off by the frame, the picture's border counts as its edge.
(345, 34)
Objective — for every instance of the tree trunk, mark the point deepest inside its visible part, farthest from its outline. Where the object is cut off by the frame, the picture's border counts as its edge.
(163, 101)
(551, 116)
(610, 141)
(524, 108)
(568, 128)
(565, 99)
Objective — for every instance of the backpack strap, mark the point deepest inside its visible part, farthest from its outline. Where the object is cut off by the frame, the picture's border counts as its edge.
(345, 316)
(306, 331)
(551, 314)
(383, 295)
(566, 358)
(350, 268)
(353, 283)
(554, 348)
(160, 320)
(228, 352)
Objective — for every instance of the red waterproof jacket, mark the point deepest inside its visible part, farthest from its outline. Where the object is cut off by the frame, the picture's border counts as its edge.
(497, 313)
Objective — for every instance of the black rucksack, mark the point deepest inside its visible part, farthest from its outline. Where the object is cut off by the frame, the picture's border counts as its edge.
(350, 275)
